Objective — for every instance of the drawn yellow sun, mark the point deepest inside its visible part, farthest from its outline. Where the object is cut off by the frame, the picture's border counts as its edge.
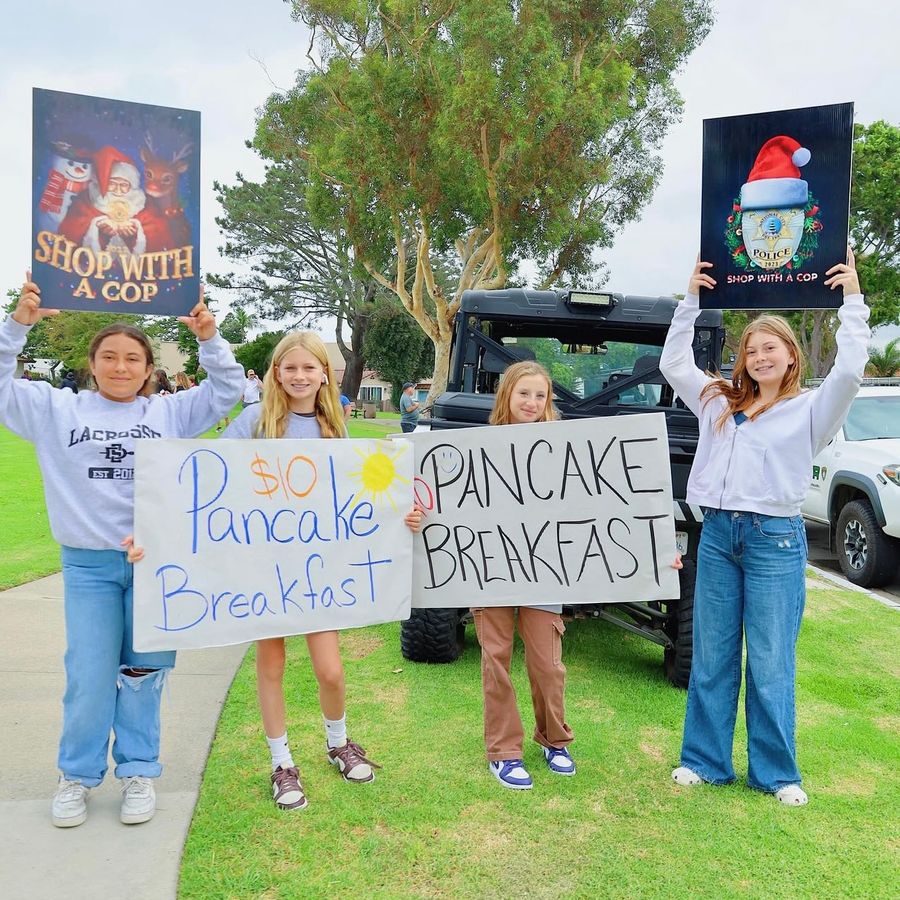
(378, 474)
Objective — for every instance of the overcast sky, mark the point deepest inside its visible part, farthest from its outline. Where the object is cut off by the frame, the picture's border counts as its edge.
(205, 55)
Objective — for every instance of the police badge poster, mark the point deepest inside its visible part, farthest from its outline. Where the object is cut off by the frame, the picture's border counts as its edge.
(254, 539)
(775, 207)
(116, 205)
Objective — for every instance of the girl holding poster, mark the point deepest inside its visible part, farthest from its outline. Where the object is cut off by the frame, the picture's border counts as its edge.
(300, 400)
(85, 448)
(758, 435)
(525, 395)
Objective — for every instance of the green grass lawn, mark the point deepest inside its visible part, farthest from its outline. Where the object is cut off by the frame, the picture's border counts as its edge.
(27, 550)
(436, 824)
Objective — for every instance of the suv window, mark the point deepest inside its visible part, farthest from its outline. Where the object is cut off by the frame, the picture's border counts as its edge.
(587, 369)
(871, 418)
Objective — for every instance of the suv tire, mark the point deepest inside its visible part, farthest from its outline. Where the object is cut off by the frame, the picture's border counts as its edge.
(433, 635)
(868, 557)
(680, 628)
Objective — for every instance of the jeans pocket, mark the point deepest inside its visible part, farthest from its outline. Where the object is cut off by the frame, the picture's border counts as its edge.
(776, 526)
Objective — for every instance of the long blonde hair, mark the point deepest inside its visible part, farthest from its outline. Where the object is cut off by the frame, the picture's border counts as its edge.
(742, 391)
(275, 408)
(500, 412)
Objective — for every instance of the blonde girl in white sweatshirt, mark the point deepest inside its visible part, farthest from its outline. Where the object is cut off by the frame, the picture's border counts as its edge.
(758, 436)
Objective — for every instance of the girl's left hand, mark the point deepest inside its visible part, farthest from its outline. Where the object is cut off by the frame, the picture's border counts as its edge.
(135, 554)
(413, 519)
(201, 321)
(844, 274)
(678, 564)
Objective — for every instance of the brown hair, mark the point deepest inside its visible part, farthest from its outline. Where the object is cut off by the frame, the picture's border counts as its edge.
(128, 331)
(742, 391)
(181, 380)
(273, 416)
(511, 377)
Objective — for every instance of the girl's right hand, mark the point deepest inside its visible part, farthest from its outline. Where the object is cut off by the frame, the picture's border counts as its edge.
(700, 279)
(28, 310)
(135, 554)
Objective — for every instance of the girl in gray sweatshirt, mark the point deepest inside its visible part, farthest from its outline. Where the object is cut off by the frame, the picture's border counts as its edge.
(758, 436)
(85, 447)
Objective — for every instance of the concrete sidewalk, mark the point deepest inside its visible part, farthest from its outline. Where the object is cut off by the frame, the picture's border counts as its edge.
(101, 858)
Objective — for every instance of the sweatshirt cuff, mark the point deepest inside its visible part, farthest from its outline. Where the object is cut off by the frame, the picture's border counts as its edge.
(15, 329)
(691, 300)
(854, 300)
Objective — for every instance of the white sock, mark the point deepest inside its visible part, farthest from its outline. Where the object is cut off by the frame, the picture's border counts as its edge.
(281, 752)
(336, 731)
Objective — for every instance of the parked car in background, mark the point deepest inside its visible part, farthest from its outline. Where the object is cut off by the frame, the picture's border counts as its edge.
(855, 486)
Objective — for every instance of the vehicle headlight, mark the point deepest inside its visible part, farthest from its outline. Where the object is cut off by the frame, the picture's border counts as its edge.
(892, 472)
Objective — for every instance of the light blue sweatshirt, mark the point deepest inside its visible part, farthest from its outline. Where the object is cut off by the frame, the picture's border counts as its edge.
(85, 443)
(764, 465)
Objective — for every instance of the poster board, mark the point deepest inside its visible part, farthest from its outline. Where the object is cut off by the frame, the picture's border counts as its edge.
(775, 207)
(253, 539)
(557, 512)
(115, 205)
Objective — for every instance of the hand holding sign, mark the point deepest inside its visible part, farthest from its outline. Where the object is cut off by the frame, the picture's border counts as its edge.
(844, 274)
(28, 310)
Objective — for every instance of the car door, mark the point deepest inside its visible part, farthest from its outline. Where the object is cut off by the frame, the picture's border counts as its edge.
(824, 466)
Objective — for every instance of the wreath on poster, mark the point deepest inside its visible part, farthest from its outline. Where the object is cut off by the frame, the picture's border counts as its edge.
(809, 242)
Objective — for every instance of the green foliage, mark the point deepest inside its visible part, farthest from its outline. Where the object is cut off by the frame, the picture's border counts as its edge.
(875, 217)
(884, 361)
(497, 131)
(234, 326)
(68, 336)
(36, 345)
(395, 346)
(256, 354)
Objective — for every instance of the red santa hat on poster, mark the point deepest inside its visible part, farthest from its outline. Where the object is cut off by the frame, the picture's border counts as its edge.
(774, 181)
(112, 163)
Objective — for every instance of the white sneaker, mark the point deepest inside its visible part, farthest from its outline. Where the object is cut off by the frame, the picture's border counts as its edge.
(792, 795)
(70, 803)
(687, 777)
(138, 800)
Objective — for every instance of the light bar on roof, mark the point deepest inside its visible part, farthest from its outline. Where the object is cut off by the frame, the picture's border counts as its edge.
(591, 298)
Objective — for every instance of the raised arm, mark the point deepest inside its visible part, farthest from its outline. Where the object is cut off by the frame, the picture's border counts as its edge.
(24, 405)
(676, 361)
(203, 406)
(831, 402)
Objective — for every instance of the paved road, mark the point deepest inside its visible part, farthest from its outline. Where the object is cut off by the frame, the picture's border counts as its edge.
(821, 556)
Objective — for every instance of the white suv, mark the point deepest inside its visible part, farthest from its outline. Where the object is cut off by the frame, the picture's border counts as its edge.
(855, 488)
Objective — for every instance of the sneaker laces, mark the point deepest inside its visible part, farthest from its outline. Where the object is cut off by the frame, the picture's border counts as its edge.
(137, 786)
(70, 790)
(353, 755)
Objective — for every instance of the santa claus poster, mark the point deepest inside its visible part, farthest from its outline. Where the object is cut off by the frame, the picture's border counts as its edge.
(116, 205)
(775, 208)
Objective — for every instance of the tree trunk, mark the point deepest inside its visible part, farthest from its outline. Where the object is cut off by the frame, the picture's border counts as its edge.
(441, 370)
(355, 363)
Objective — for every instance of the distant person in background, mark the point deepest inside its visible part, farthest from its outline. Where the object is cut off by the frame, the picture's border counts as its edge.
(347, 407)
(182, 382)
(162, 384)
(69, 382)
(409, 408)
(252, 390)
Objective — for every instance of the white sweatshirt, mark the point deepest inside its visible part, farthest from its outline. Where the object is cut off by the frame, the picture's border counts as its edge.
(85, 443)
(764, 465)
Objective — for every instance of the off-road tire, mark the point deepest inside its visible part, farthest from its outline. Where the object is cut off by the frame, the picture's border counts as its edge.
(680, 628)
(867, 556)
(433, 635)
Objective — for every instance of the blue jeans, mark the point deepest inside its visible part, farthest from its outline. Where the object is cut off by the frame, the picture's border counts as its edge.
(99, 695)
(750, 582)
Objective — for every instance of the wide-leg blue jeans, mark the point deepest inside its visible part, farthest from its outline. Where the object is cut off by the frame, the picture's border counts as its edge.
(100, 696)
(750, 583)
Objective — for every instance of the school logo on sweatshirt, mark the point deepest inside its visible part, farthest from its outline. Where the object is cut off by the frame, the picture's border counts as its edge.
(112, 450)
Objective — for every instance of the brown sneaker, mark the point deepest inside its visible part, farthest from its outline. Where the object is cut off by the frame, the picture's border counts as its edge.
(352, 763)
(287, 790)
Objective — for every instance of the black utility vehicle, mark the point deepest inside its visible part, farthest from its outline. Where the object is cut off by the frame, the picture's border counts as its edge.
(602, 351)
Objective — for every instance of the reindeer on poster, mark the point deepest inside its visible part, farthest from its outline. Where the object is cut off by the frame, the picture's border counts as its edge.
(161, 186)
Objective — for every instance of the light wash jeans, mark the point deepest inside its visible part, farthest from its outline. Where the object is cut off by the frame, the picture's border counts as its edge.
(99, 696)
(750, 582)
